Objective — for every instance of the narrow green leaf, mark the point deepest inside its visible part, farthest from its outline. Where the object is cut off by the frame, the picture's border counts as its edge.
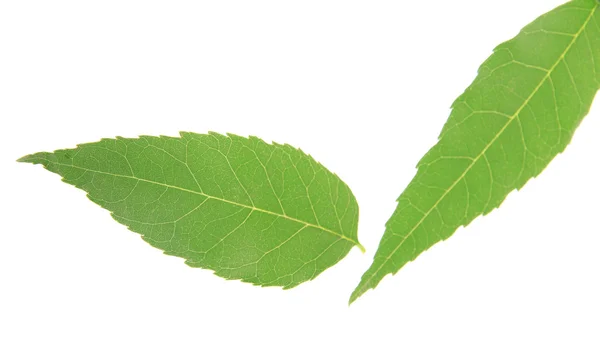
(262, 213)
(518, 114)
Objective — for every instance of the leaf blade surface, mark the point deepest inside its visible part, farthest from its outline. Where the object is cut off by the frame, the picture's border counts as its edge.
(517, 115)
(262, 213)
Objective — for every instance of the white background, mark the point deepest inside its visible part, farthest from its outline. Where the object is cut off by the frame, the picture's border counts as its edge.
(364, 86)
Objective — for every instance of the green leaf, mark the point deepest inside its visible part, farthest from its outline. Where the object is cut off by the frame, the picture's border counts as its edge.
(518, 114)
(262, 213)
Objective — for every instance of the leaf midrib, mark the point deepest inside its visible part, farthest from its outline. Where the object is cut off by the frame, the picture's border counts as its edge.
(354, 242)
(461, 177)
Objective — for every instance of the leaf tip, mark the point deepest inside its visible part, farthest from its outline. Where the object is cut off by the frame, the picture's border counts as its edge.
(355, 295)
(24, 159)
(31, 158)
(37, 158)
(364, 285)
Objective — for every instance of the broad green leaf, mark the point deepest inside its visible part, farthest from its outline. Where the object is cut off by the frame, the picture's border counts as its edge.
(518, 114)
(262, 213)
